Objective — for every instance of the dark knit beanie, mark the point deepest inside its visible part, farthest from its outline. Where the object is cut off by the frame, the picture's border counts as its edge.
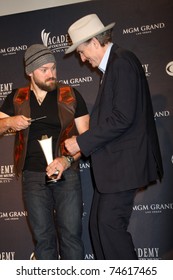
(36, 56)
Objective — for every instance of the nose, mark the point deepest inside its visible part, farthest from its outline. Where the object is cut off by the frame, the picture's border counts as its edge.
(51, 72)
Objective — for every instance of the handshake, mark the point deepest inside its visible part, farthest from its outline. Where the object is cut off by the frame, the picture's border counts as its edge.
(72, 145)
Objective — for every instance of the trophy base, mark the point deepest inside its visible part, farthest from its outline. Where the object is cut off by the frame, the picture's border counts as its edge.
(52, 179)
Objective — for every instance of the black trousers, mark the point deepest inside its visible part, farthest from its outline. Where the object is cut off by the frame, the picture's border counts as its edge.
(109, 220)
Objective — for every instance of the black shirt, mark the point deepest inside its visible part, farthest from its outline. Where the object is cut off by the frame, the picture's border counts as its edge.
(50, 126)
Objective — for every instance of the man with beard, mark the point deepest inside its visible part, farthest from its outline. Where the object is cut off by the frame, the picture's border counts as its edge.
(48, 109)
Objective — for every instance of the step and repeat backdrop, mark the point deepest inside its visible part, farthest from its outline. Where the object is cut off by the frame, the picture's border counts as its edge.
(144, 27)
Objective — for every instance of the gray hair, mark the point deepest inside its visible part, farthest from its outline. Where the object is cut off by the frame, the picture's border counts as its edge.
(103, 38)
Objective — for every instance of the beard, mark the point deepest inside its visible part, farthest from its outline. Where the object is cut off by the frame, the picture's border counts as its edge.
(49, 84)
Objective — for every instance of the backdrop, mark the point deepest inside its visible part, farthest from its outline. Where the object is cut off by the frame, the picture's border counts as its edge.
(144, 27)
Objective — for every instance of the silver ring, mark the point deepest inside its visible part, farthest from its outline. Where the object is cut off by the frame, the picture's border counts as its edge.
(56, 171)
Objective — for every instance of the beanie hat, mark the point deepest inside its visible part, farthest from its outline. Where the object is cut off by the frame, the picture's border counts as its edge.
(36, 56)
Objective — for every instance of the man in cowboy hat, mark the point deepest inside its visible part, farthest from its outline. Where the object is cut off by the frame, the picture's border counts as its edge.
(122, 139)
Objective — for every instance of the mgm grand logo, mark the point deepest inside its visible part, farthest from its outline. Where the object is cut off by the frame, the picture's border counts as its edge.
(13, 215)
(84, 165)
(153, 208)
(144, 29)
(77, 81)
(12, 50)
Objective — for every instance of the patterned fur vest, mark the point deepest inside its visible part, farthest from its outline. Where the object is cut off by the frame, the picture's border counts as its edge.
(66, 106)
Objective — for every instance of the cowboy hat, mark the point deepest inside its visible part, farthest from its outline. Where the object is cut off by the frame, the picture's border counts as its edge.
(84, 29)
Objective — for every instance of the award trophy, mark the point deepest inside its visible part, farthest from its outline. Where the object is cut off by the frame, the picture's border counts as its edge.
(46, 145)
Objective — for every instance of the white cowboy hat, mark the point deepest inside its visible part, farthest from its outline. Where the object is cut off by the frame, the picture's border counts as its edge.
(84, 29)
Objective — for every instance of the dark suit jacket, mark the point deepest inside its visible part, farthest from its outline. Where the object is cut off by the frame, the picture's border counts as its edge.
(122, 139)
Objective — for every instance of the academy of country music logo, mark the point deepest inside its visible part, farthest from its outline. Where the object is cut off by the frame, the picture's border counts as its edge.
(144, 29)
(6, 173)
(7, 256)
(5, 89)
(57, 43)
(147, 253)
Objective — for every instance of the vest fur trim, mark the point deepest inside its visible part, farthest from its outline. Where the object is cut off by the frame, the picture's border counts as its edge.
(66, 102)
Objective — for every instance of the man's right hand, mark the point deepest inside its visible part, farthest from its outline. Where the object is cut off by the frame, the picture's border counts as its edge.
(15, 123)
(18, 122)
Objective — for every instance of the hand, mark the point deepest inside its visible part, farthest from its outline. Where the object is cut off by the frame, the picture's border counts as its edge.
(19, 122)
(58, 164)
(72, 145)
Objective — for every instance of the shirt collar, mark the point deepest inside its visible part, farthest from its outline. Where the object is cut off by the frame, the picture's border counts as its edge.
(104, 61)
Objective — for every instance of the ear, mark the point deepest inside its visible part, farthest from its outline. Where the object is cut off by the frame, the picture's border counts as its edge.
(95, 42)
